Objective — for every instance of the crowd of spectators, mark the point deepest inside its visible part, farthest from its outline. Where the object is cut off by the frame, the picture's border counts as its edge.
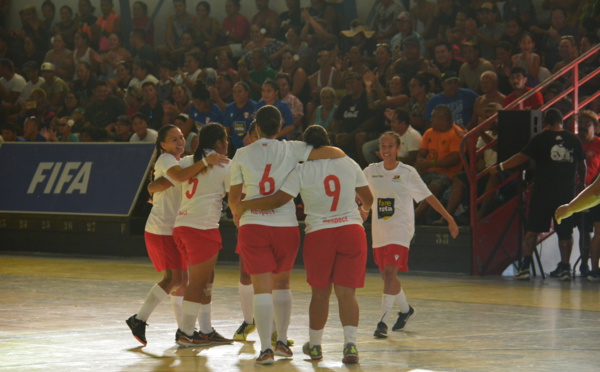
(429, 72)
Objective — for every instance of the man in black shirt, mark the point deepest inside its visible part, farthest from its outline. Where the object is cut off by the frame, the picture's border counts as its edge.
(350, 117)
(105, 107)
(559, 158)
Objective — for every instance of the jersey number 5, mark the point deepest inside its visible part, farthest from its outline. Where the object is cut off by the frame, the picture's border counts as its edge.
(266, 184)
(334, 191)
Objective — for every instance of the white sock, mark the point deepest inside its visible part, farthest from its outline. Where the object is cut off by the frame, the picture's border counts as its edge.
(350, 334)
(190, 313)
(387, 302)
(282, 303)
(155, 297)
(401, 301)
(246, 298)
(177, 303)
(263, 318)
(315, 337)
(204, 320)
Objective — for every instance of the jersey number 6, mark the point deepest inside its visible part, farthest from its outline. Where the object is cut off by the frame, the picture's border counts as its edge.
(332, 192)
(266, 184)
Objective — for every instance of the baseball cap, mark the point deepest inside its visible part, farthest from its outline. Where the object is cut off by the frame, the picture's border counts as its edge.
(30, 66)
(411, 40)
(47, 66)
(487, 6)
(449, 75)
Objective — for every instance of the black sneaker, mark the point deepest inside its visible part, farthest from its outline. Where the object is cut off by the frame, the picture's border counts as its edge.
(584, 270)
(594, 276)
(381, 331)
(556, 273)
(403, 319)
(523, 274)
(565, 273)
(138, 329)
(194, 340)
(216, 338)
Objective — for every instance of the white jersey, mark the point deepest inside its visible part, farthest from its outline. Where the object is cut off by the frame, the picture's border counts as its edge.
(202, 196)
(262, 168)
(409, 141)
(393, 219)
(165, 204)
(328, 189)
(151, 137)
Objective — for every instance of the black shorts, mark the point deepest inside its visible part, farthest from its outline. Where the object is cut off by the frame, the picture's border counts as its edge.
(541, 213)
(587, 218)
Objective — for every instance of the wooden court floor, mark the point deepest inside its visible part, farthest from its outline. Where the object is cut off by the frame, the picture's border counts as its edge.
(67, 314)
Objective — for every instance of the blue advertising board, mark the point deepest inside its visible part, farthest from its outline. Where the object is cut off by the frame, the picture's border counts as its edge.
(72, 178)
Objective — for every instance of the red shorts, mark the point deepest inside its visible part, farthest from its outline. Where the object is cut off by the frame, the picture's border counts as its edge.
(163, 252)
(337, 255)
(391, 255)
(268, 249)
(197, 245)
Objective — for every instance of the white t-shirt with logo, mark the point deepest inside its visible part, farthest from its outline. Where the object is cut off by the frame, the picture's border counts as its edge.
(328, 189)
(262, 168)
(393, 215)
(202, 196)
(165, 204)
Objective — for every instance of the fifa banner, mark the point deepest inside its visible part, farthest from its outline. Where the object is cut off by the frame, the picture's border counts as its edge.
(72, 178)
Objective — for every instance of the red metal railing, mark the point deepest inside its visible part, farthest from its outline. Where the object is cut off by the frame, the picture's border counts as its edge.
(494, 229)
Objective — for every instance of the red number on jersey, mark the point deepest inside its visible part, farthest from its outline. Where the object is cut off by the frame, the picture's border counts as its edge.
(266, 184)
(190, 193)
(333, 192)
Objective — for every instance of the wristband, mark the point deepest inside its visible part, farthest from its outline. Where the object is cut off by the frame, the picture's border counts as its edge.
(364, 210)
(501, 167)
(205, 162)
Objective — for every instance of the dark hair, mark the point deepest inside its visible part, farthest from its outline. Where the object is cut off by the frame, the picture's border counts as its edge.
(179, 1)
(273, 84)
(423, 80)
(209, 136)
(67, 8)
(286, 77)
(161, 137)
(166, 64)
(48, 3)
(563, 11)
(553, 116)
(316, 136)
(139, 116)
(226, 76)
(236, 3)
(100, 83)
(35, 120)
(201, 92)
(244, 85)
(592, 38)
(140, 33)
(403, 115)
(205, 4)
(7, 63)
(141, 64)
(518, 70)
(268, 119)
(195, 55)
(89, 3)
(505, 45)
(84, 35)
(143, 5)
(86, 64)
(524, 34)
(443, 43)
(10, 126)
(517, 20)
